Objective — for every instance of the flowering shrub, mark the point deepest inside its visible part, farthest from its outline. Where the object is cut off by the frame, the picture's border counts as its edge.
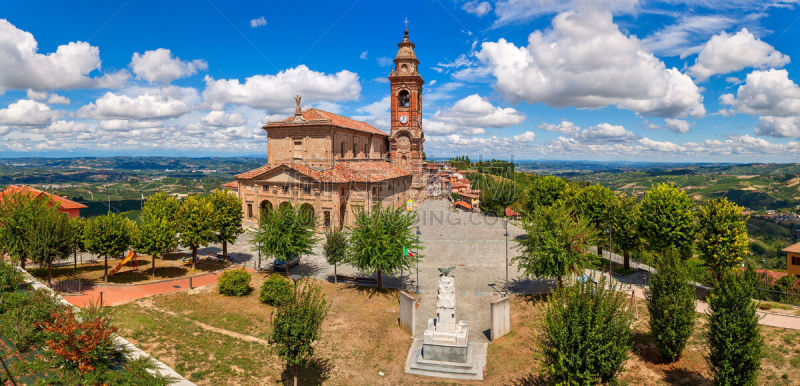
(80, 344)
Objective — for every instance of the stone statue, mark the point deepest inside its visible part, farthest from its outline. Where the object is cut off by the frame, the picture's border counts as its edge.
(446, 338)
(446, 296)
(298, 112)
(446, 271)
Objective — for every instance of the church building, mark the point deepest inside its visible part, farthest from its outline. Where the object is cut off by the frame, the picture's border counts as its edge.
(332, 165)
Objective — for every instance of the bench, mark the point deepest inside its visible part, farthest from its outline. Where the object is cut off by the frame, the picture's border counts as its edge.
(356, 279)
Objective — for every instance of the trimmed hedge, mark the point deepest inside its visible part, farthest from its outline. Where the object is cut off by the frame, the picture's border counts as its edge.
(586, 333)
(234, 283)
(276, 291)
(670, 301)
(735, 344)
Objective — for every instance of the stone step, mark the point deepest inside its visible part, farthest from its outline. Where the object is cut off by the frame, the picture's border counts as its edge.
(443, 369)
(455, 365)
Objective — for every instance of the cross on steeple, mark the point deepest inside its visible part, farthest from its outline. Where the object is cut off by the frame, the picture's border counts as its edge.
(406, 23)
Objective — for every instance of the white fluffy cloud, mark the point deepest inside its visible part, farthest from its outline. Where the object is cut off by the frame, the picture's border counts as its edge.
(677, 125)
(586, 61)
(725, 53)
(605, 133)
(565, 127)
(26, 112)
(779, 126)
(141, 104)
(525, 137)
(600, 133)
(471, 115)
(68, 67)
(768, 92)
(258, 22)
(275, 92)
(50, 98)
(222, 119)
(68, 127)
(160, 66)
(477, 8)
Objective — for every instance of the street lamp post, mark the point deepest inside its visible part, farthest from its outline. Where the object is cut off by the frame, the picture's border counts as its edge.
(608, 231)
(417, 251)
(505, 228)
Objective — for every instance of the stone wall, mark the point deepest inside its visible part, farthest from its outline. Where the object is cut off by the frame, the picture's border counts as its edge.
(500, 317)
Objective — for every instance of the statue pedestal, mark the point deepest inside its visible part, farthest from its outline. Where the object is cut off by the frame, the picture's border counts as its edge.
(449, 344)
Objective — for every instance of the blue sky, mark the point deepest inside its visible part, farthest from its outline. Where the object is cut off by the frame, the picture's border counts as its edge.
(672, 80)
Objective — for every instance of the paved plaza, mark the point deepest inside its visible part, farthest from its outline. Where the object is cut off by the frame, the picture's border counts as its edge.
(471, 242)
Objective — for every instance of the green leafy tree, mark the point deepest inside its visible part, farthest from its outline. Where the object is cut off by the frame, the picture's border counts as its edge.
(285, 232)
(624, 211)
(109, 235)
(557, 243)
(497, 193)
(335, 248)
(78, 226)
(158, 230)
(670, 301)
(722, 237)
(17, 210)
(667, 219)
(594, 203)
(734, 337)
(586, 333)
(545, 191)
(49, 236)
(297, 326)
(381, 239)
(227, 218)
(196, 224)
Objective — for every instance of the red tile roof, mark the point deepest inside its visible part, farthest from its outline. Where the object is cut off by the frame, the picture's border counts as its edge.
(343, 172)
(62, 202)
(232, 184)
(463, 204)
(318, 115)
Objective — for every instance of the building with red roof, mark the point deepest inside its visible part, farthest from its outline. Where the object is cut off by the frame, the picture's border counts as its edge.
(72, 208)
(511, 213)
(332, 165)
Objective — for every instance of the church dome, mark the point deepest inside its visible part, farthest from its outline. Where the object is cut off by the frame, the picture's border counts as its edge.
(406, 50)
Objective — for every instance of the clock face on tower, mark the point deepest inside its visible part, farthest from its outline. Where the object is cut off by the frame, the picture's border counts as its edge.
(404, 119)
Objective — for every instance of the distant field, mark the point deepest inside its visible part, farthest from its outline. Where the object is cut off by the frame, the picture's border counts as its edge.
(119, 183)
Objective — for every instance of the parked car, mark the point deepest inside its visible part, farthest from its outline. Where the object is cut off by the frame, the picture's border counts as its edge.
(280, 265)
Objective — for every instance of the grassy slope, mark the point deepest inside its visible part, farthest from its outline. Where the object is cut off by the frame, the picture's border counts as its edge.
(360, 339)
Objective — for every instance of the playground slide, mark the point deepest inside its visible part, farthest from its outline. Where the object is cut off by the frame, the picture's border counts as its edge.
(131, 256)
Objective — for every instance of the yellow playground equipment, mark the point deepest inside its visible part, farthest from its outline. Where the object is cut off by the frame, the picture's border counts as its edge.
(131, 257)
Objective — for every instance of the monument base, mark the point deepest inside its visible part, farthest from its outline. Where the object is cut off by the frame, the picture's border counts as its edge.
(470, 369)
(445, 352)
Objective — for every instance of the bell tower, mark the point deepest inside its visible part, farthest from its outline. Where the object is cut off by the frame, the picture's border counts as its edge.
(406, 137)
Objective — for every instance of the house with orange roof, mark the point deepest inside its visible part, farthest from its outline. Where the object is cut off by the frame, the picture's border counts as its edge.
(331, 165)
(72, 208)
(792, 259)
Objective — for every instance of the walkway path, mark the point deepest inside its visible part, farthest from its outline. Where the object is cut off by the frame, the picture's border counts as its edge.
(116, 294)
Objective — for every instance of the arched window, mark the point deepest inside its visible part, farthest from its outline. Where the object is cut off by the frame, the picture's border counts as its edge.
(403, 98)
